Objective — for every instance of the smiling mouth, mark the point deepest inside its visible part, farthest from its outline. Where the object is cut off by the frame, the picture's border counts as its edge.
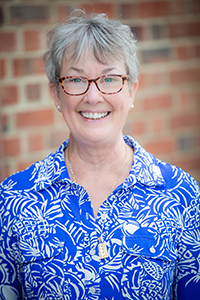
(94, 116)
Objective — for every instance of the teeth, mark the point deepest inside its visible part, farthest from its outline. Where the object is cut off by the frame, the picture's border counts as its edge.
(94, 115)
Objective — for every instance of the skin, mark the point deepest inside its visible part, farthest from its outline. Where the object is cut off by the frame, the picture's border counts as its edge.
(97, 149)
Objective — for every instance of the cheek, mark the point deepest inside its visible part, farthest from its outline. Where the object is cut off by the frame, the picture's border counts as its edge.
(124, 102)
(69, 103)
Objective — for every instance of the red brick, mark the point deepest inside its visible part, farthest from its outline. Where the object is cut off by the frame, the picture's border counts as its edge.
(154, 9)
(139, 32)
(151, 79)
(138, 127)
(182, 52)
(197, 99)
(21, 165)
(7, 41)
(11, 147)
(129, 10)
(177, 7)
(35, 142)
(29, 14)
(107, 8)
(28, 66)
(1, 16)
(63, 12)
(2, 68)
(187, 52)
(19, 67)
(185, 76)
(184, 29)
(185, 100)
(158, 31)
(197, 51)
(155, 55)
(33, 92)
(157, 125)
(9, 94)
(157, 102)
(161, 147)
(32, 40)
(185, 120)
(57, 138)
(188, 163)
(4, 171)
(37, 118)
(4, 120)
(190, 101)
(186, 142)
(198, 140)
(192, 6)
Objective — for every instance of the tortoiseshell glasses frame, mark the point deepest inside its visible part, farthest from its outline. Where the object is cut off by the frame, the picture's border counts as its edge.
(118, 84)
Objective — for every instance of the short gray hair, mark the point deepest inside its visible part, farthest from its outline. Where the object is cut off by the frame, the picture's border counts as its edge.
(108, 40)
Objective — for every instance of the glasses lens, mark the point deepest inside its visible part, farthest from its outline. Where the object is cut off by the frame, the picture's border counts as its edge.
(110, 83)
(75, 85)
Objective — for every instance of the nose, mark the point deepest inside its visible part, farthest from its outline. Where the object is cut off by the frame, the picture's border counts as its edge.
(93, 95)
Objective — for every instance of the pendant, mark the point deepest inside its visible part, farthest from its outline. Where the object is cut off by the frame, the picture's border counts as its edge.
(102, 251)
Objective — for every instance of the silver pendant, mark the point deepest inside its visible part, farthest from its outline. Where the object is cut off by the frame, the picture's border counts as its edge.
(102, 251)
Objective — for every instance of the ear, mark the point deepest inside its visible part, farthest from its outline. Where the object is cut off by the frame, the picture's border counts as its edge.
(54, 94)
(133, 91)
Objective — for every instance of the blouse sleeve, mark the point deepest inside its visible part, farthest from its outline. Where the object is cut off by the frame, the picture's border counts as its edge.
(187, 276)
(9, 285)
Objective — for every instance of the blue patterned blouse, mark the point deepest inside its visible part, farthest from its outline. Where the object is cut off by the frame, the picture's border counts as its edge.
(49, 237)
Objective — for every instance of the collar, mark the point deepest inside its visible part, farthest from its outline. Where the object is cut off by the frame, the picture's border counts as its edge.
(145, 168)
(51, 169)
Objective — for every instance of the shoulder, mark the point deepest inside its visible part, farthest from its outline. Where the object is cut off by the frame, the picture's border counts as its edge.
(155, 173)
(178, 182)
(39, 174)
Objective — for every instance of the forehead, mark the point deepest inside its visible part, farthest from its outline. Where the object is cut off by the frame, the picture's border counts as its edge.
(88, 62)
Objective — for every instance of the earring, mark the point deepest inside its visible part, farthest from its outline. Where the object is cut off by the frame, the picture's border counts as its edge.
(58, 107)
(132, 105)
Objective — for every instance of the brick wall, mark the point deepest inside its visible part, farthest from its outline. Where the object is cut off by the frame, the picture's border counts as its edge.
(166, 117)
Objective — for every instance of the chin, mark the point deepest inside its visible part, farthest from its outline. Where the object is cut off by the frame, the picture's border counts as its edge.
(97, 137)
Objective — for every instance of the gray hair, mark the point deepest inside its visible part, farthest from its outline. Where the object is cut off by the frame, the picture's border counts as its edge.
(108, 39)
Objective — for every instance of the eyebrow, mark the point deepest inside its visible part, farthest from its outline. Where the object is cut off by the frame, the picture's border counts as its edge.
(107, 70)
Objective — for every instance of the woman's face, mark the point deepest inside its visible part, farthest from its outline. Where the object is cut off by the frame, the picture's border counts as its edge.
(110, 110)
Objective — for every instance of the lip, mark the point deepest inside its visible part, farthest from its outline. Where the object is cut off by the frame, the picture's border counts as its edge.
(94, 115)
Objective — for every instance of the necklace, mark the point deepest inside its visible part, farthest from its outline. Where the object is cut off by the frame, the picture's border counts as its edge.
(103, 253)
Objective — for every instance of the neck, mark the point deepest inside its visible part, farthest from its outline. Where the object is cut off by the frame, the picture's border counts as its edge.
(96, 155)
(99, 169)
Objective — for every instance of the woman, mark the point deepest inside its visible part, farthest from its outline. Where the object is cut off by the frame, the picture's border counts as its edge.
(100, 218)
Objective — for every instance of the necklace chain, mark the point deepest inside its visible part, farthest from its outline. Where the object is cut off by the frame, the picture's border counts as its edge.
(101, 245)
(71, 170)
(114, 184)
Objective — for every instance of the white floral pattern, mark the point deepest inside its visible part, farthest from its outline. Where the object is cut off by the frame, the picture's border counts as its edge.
(48, 234)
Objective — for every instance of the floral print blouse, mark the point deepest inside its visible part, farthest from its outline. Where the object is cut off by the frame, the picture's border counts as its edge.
(49, 236)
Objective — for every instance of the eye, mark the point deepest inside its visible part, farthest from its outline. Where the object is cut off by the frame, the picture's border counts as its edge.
(75, 80)
(108, 79)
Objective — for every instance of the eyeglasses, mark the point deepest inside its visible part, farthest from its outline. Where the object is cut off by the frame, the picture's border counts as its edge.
(106, 84)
